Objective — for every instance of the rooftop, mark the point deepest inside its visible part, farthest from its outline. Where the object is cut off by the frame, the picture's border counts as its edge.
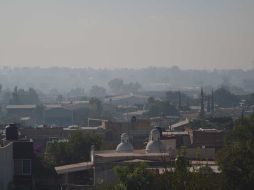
(83, 128)
(73, 167)
(135, 153)
(175, 133)
(122, 97)
(32, 106)
(209, 130)
(180, 124)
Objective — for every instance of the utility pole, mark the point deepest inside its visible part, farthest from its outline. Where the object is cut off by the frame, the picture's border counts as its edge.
(208, 108)
(212, 103)
(202, 109)
(179, 100)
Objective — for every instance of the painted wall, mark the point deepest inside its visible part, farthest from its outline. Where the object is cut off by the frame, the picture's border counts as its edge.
(6, 166)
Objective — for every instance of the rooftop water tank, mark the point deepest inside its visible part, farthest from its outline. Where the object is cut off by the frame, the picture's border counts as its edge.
(11, 132)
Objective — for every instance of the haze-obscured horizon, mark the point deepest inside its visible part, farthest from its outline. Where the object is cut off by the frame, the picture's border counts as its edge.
(127, 34)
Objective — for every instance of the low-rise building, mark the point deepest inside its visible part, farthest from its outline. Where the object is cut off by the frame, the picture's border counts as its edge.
(16, 160)
(180, 126)
(208, 138)
(137, 129)
(6, 166)
(129, 99)
(102, 163)
(179, 138)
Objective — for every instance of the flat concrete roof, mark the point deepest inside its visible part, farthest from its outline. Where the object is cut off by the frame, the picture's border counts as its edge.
(73, 167)
(180, 124)
(32, 106)
(135, 153)
(175, 133)
(83, 128)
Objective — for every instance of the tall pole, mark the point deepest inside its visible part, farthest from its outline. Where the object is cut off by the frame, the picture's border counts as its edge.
(208, 108)
(179, 100)
(212, 103)
(72, 117)
(202, 109)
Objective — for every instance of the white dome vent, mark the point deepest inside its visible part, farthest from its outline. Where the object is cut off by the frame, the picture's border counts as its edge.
(125, 145)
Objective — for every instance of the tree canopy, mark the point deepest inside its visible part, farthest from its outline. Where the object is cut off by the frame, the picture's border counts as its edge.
(158, 108)
(220, 123)
(140, 177)
(225, 98)
(21, 96)
(236, 160)
(134, 178)
(118, 86)
(97, 91)
(179, 99)
(76, 149)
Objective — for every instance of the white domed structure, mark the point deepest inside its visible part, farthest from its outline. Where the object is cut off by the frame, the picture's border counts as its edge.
(154, 145)
(124, 146)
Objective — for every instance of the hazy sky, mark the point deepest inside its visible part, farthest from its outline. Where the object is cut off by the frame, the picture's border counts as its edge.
(127, 33)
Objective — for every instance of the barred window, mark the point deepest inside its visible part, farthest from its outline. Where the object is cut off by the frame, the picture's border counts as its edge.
(22, 166)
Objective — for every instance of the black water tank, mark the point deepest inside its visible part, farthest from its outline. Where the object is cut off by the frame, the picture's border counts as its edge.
(133, 119)
(160, 130)
(11, 132)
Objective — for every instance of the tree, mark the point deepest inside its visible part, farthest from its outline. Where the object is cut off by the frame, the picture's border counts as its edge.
(97, 91)
(225, 98)
(76, 149)
(80, 145)
(173, 97)
(59, 99)
(138, 176)
(39, 112)
(15, 96)
(220, 123)
(158, 108)
(212, 102)
(76, 92)
(208, 108)
(116, 85)
(236, 159)
(179, 99)
(131, 87)
(95, 107)
(135, 177)
(202, 106)
(33, 96)
(250, 99)
(6, 97)
(20, 96)
(151, 100)
(181, 173)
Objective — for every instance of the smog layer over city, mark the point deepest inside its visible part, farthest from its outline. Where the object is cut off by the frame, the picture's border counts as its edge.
(126, 95)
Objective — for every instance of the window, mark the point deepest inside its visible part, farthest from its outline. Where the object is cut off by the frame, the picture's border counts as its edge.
(18, 167)
(26, 167)
(22, 166)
